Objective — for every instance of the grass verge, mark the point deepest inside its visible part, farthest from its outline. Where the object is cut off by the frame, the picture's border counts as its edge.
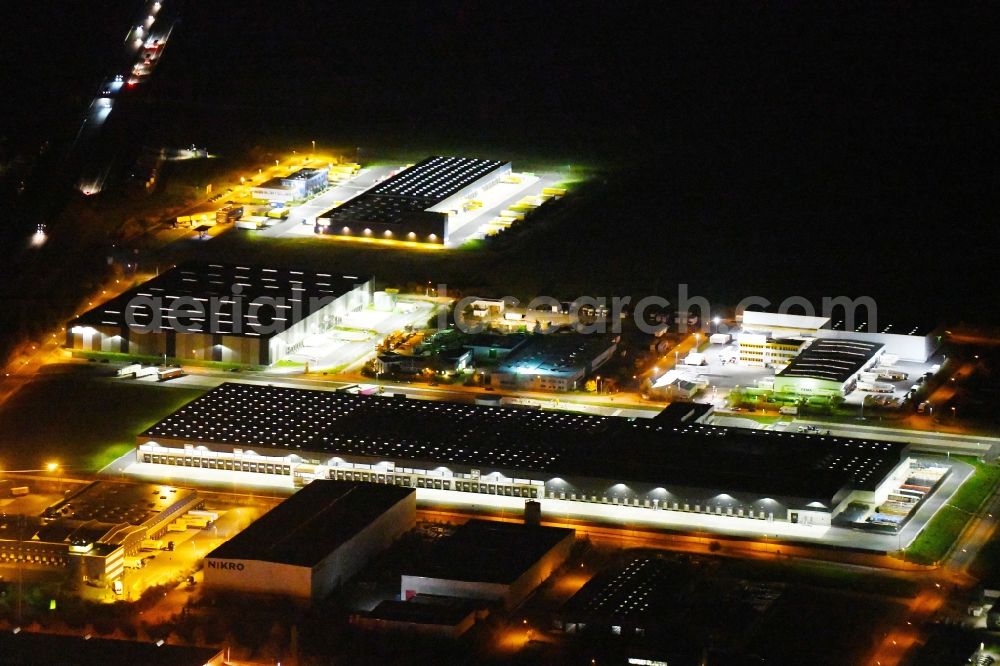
(933, 542)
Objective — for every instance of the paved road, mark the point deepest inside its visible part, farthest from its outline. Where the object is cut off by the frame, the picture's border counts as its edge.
(208, 378)
(97, 159)
(294, 227)
(931, 441)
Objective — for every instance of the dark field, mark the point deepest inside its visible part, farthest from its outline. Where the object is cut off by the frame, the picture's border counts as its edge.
(79, 420)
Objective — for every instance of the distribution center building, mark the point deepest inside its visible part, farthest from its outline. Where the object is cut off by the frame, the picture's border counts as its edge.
(659, 463)
(417, 203)
(314, 541)
(219, 312)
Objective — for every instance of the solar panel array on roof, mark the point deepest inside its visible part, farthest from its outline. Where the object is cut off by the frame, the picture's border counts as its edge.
(436, 178)
(304, 420)
(561, 443)
(641, 586)
(224, 292)
(831, 359)
(411, 191)
(375, 208)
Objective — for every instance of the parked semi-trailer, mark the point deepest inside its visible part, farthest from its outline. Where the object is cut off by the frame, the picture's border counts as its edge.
(129, 370)
(164, 374)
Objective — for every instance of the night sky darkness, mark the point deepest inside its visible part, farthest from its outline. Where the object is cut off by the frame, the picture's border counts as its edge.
(766, 148)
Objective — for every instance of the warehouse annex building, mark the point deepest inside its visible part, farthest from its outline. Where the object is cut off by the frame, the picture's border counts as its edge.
(417, 203)
(294, 186)
(314, 541)
(219, 312)
(659, 463)
(490, 560)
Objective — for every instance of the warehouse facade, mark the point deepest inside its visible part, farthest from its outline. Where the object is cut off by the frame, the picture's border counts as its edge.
(417, 203)
(314, 541)
(662, 463)
(219, 312)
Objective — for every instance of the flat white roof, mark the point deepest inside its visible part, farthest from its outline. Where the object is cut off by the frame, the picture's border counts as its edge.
(765, 319)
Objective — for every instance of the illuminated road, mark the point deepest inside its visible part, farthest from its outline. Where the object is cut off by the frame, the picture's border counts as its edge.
(135, 68)
(951, 576)
(939, 442)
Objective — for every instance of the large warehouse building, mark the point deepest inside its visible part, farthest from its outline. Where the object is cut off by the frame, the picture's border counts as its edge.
(908, 342)
(313, 541)
(219, 312)
(828, 367)
(556, 362)
(417, 203)
(658, 463)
